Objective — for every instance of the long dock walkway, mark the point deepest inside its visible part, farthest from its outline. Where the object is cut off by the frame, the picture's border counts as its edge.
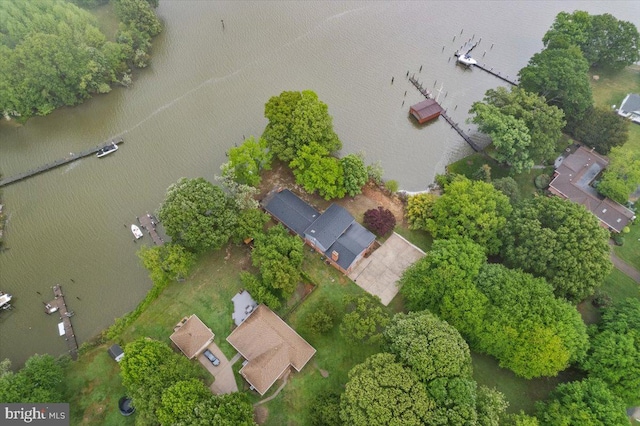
(444, 115)
(57, 163)
(65, 317)
(149, 223)
(496, 74)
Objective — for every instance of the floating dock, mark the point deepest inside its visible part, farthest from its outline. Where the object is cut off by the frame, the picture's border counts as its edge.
(61, 162)
(148, 223)
(64, 327)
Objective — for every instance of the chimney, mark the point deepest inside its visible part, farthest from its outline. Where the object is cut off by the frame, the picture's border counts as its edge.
(334, 256)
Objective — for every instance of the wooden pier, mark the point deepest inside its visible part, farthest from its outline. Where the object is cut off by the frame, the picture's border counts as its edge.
(444, 115)
(65, 317)
(496, 74)
(148, 223)
(61, 162)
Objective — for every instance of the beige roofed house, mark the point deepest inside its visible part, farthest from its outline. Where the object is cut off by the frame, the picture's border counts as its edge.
(270, 346)
(192, 336)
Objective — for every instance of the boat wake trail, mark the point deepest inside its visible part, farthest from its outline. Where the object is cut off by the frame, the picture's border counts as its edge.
(214, 80)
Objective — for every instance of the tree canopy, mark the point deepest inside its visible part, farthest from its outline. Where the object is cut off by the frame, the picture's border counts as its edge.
(380, 391)
(354, 173)
(560, 76)
(544, 124)
(40, 380)
(168, 262)
(586, 402)
(622, 177)
(315, 170)
(429, 346)
(248, 160)
(605, 41)
(471, 209)
(561, 241)
(198, 215)
(364, 320)
(615, 350)
(602, 129)
(296, 119)
(418, 209)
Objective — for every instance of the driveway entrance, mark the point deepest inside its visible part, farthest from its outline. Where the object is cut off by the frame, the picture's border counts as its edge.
(225, 381)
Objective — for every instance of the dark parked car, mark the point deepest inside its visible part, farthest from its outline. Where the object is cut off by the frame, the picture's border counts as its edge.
(211, 357)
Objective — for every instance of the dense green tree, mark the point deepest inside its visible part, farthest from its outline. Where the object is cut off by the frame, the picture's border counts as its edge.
(148, 369)
(509, 136)
(586, 402)
(232, 409)
(364, 320)
(560, 75)
(455, 401)
(315, 170)
(561, 241)
(543, 122)
(325, 410)
(429, 346)
(248, 160)
(520, 419)
(615, 350)
(296, 119)
(418, 209)
(509, 187)
(622, 176)
(382, 392)
(279, 255)
(471, 209)
(601, 129)
(168, 262)
(354, 172)
(251, 223)
(259, 290)
(490, 406)
(40, 380)
(605, 41)
(527, 329)
(243, 195)
(198, 215)
(180, 400)
(323, 318)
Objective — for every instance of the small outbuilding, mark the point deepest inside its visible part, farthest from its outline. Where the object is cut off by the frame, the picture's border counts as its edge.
(116, 352)
(426, 110)
(192, 336)
(630, 108)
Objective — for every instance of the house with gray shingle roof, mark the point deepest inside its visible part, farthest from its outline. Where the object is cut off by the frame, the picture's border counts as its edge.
(630, 107)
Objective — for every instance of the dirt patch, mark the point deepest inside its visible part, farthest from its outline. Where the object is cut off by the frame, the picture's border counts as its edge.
(260, 414)
(323, 373)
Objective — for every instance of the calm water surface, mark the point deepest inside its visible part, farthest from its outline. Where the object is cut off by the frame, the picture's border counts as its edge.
(204, 92)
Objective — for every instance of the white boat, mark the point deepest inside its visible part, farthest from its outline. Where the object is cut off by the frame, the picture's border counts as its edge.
(107, 150)
(467, 60)
(5, 298)
(136, 232)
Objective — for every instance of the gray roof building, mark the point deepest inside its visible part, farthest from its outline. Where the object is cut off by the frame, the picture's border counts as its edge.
(630, 107)
(289, 209)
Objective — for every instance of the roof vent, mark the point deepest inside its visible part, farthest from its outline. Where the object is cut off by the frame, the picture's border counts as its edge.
(619, 220)
(604, 210)
(335, 255)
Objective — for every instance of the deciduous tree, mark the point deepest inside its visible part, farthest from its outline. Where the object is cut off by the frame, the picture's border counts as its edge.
(40, 380)
(248, 160)
(418, 209)
(382, 392)
(354, 172)
(380, 221)
(471, 209)
(365, 319)
(602, 129)
(622, 176)
(509, 187)
(561, 241)
(315, 170)
(198, 215)
(295, 120)
(585, 402)
(169, 262)
(251, 223)
(180, 400)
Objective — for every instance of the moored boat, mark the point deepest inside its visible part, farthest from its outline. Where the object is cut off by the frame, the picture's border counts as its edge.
(107, 150)
(467, 60)
(136, 232)
(5, 298)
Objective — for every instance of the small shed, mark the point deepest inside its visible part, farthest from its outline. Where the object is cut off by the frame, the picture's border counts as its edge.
(116, 352)
(630, 107)
(426, 110)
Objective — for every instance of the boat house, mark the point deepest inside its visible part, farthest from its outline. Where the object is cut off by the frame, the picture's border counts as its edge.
(572, 179)
(270, 348)
(630, 108)
(426, 110)
(334, 233)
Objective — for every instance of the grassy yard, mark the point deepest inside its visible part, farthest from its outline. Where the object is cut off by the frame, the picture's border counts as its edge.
(619, 286)
(419, 238)
(630, 250)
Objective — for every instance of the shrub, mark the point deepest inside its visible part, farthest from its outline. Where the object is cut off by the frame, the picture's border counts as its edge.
(618, 239)
(380, 221)
(542, 181)
(601, 299)
(392, 186)
(323, 318)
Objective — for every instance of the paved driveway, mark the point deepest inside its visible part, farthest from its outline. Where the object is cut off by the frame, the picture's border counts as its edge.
(379, 273)
(225, 381)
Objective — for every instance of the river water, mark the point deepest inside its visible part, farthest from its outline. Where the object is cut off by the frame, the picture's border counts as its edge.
(204, 92)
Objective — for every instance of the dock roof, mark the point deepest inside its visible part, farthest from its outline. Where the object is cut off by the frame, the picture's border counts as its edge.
(426, 110)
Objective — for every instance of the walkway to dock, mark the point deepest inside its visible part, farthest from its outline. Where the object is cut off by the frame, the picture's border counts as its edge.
(148, 223)
(65, 317)
(61, 162)
(444, 115)
(496, 74)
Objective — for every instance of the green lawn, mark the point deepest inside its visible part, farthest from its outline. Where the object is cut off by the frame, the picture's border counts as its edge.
(619, 286)
(630, 250)
(419, 238)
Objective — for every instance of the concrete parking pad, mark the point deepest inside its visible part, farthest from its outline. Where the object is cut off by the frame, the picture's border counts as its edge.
(379, 273)
(225, 381)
